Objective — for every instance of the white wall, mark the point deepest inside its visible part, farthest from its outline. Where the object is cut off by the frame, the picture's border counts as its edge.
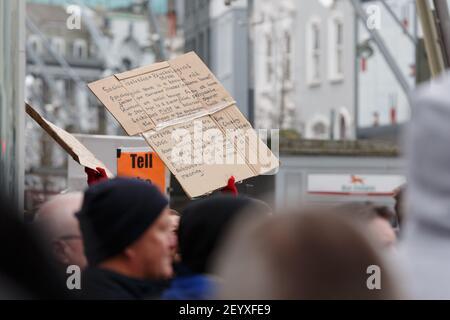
(12, 71)
(316, 102)
(272, 20)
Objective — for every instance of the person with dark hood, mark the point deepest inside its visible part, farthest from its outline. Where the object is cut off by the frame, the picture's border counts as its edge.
(203, 227)
(126, 229)
(26, 271)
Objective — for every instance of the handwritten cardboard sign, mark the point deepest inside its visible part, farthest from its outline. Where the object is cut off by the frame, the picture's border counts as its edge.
(68, 142)
(159, 100)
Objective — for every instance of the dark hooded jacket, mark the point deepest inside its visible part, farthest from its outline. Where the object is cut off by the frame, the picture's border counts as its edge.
(203, 227)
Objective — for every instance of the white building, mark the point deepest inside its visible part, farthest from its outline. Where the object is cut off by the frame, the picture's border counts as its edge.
(305, 67)
(274, 32)
(218, 34)
(325, 69)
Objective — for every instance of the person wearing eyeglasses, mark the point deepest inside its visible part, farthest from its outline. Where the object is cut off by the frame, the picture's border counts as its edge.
(60, 231)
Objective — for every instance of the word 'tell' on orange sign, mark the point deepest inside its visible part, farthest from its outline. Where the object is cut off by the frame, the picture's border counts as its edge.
(142, 164)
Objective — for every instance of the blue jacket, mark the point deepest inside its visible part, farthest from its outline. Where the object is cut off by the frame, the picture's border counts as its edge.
(191, 287)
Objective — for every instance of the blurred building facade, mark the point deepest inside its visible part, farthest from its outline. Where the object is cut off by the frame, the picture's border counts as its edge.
(274, 35)
(382, 104)
(58, 92)
(325, 69)
(62, 60)
(303, 56)
(218, 33)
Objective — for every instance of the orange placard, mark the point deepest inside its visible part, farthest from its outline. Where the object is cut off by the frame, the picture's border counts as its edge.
(142, 165)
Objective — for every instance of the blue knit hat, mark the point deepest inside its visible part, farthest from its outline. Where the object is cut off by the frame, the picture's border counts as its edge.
(115, 213)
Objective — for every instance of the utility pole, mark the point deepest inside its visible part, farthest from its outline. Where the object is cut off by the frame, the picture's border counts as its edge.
(431, 38)
(443, 26)
(250, 61)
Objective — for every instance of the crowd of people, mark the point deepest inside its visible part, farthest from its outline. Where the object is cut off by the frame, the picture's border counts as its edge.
(129, 244)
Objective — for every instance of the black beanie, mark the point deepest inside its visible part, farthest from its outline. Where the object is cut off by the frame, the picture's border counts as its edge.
(115, 213)
(204, 224)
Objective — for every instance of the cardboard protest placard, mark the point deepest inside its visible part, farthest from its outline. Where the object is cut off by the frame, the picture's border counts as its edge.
(141, 164)
(68, 142)
(187, 117)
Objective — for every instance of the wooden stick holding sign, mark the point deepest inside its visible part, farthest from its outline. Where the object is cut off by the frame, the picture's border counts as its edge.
(68, 142)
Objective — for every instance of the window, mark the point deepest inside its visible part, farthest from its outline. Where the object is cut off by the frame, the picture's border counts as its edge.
(207, 48)
(187, 8)
(342, 128)
(194, 44)
(59, 45)
(336, 52)
(201, 46)
(344, 123)
(189, 45)
(225, 66)
(268, 46)
(339, 47)
(80, 49)
(287, 66)
(93, 51)
(314, 52)
(11, 101)
(127, 63)
(35, 44)
(318, 127)
(269, 55)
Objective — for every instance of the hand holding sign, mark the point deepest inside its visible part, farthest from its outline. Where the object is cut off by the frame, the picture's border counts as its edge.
(95, 176)
(231, 187)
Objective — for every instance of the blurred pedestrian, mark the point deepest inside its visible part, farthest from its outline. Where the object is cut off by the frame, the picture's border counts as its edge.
(60, 230)
(203, 227)
(303, 255)
(377, 220)
(126, 228)
(426, 231)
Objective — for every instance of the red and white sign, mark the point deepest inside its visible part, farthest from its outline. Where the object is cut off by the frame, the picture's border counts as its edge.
(354, 184)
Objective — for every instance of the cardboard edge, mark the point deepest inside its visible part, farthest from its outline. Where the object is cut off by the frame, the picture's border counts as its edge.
(143, 70)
